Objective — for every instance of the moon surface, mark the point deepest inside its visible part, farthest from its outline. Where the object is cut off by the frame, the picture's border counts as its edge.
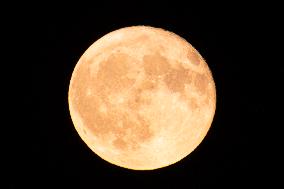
(142, 98)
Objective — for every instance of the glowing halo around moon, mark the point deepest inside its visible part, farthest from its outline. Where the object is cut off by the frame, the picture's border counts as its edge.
(142, 98)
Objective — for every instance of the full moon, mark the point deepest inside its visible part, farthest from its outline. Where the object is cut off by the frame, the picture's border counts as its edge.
(142, 98)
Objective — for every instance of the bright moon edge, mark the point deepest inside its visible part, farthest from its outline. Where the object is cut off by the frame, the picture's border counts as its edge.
(100, 47)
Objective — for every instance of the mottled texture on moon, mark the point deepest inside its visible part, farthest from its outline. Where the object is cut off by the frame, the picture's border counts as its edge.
(142, 98)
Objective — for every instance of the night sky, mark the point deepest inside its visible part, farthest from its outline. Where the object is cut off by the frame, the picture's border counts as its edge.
(224, 36)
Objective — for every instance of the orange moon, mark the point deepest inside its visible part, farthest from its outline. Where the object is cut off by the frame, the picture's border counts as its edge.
(142, 98)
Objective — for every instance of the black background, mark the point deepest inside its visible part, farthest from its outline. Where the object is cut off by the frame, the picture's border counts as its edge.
(224, 34)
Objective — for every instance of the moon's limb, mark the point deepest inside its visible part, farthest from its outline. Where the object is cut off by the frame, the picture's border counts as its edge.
(142, 98)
